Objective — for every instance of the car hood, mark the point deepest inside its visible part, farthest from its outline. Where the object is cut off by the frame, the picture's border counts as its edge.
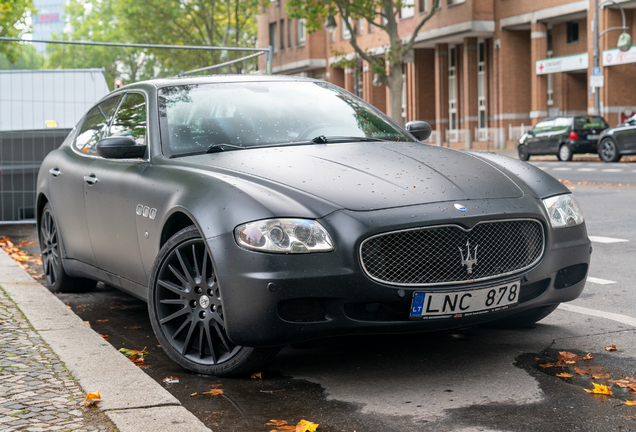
(370, 175)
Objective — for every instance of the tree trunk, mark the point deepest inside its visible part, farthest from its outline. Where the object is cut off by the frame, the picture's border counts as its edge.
(396, 82)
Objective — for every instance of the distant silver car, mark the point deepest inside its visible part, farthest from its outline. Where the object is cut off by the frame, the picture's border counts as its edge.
(253, 212)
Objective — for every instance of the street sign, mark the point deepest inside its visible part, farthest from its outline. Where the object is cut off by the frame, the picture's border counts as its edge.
(597, 81)
(596, 71)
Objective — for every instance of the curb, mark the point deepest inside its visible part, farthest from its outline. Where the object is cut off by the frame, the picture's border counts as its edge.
(132, 400)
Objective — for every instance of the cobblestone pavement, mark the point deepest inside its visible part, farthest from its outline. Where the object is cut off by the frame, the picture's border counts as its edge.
(37, 392)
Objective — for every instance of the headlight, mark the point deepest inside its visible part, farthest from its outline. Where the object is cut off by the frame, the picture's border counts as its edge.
(284, 236)
(563, 211)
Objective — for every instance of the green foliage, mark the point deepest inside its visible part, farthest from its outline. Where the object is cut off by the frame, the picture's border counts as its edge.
(26, 58)
(13, 14)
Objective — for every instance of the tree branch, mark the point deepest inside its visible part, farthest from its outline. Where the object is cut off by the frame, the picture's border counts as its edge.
(428, 16)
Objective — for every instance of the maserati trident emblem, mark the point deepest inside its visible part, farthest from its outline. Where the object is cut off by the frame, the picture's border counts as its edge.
(469, 261)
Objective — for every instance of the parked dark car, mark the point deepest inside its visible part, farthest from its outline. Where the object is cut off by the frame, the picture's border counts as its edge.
(618, 141)
(253, 212)
(563, 137)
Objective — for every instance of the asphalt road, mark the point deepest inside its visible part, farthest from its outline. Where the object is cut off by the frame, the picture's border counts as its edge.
(479, 379)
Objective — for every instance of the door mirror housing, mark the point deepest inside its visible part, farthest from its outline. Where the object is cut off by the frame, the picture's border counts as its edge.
(120, 147)
(529, 132)
(419, 129)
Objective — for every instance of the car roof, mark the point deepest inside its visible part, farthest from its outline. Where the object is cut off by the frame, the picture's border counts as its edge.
(214, 79)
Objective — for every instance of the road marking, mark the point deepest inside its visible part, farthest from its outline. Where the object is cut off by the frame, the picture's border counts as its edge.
(599, 281)
(563, 169)
(599, 239)
(586, 169)
(623, 319)
(612, 170)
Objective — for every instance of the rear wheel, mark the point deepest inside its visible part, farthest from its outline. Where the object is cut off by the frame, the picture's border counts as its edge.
(55, 277)
(565, 153)
(608, 151)
(186, 311)
(525, 318)
(523, 152)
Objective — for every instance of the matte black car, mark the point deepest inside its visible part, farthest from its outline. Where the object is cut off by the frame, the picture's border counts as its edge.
(563, 137)
(618, 141)
(254, 212)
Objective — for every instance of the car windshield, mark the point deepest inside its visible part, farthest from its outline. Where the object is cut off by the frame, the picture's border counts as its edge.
(589, 122)
(229, 116)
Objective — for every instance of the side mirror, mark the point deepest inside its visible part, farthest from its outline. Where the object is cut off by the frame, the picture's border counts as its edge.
(120, 147)
(529, 132)
(419, 129)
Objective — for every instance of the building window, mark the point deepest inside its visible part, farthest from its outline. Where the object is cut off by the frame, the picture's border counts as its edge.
(407, 10)
(481, 83)
(346, 34)
(273, 36)
(361, 26)
(371, 27)
(290, 33)
(302, 33)
(573, 31)
(422, 6)
(454, 2)
(282, 35)
(452, 89)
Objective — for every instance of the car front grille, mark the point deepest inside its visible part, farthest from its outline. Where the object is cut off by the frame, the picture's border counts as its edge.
(439, 255)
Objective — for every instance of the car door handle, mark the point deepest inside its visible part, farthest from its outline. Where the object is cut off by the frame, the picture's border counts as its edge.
(91, 179)
(55, 172)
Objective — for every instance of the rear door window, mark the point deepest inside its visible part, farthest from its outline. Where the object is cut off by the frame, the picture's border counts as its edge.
(561, 124)
(94, 125)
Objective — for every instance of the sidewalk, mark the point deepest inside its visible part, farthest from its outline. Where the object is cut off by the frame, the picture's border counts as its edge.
(49, 360)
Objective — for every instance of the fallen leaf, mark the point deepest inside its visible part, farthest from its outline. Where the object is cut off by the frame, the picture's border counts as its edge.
(127, 352)
(555, 364)
(564, 375)
(136, 359)
(611, 348)
(104, 336)
(276, 423)
(92, 398)
(257, 375)
(630, 402)
(87, 323)
(601, 376)
(600, 389)
(305, 426)
(588, 357)
(105, 320)
(143, 366)
(171, 380)
(215, 385)
(581, 372)
(568, 357)
(214, 392)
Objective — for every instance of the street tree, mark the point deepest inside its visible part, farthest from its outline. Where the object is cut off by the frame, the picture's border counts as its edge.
(14, 23)
(382, 14)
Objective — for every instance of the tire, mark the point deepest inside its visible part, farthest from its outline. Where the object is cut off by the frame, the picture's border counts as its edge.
(524, 319)
(55, 277)
(523, 152)
(186, 311)
(608, 152)
(565, 153)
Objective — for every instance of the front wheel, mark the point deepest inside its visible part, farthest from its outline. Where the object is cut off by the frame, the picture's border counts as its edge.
(608, 151)
(565, 153)
(186, 311)
(55, 277)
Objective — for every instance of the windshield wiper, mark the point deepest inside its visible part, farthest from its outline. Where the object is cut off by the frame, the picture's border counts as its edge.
(212, 149)
(321, 139)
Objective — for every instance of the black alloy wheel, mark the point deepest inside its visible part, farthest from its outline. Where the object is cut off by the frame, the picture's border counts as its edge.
(523, 152)
(608, 151)
(565, 153)
(186, 311)
(55, 277)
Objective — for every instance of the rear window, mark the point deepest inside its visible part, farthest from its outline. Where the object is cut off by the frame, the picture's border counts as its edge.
(590, 122)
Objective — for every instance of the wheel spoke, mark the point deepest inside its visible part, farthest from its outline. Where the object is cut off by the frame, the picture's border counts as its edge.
(221, 332)
(204, 269)
(178, 275)
(187, 268)
(180, 329)
(201, 338)
(179, 301)
(172, 287)
(188, 340)
(197, 275)
(177, 314)
(208, 335)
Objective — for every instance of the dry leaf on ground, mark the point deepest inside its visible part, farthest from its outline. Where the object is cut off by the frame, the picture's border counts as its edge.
(568, 357)
(564, 375)
(92, 398)
(601, 376)
(600, 389)
(611, 348)
(214, 392)
(257, 375)
(588, 357)
(581, 372)
(215, 385)
(630, 402)
(305, 426)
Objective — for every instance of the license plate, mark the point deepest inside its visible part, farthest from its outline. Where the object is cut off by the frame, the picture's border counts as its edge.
(593, 137)
(456, 304)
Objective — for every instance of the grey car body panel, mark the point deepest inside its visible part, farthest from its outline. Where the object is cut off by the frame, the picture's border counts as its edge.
(354, 189)
(624, 136)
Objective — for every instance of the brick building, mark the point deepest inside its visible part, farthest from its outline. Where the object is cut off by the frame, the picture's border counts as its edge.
(481, 71)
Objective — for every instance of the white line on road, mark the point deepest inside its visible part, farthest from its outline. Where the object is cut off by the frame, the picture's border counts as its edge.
(599, 281)
(563, 169)
(600, 239)
(612, 170)
(600, 314)
(586, 169)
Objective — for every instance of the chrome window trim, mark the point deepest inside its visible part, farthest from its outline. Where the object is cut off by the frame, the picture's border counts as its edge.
(521, 270)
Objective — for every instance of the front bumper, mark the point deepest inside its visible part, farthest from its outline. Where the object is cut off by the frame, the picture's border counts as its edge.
(277, 299)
